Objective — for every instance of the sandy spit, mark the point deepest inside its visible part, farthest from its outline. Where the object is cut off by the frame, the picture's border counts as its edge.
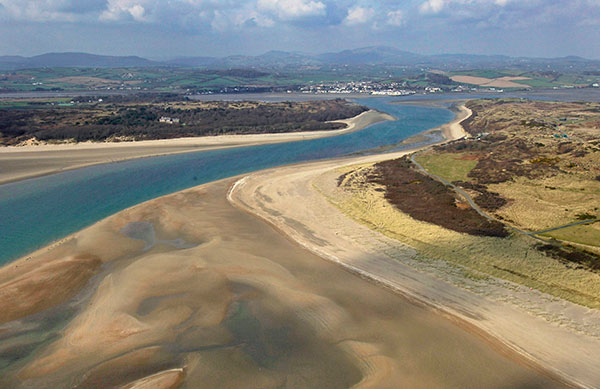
(224, 299)
(292, 199)
(22, 162)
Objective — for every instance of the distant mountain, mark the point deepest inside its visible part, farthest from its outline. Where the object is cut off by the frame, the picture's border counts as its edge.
(193, 62)
(287, 58)
(74, 60)
(271, 59)
(283, 60)
(377, 55)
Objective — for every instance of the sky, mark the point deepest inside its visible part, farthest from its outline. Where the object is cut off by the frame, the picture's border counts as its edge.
(161, 29)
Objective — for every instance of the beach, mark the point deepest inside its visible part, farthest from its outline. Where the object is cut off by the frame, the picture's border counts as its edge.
(302, 204)
(261, 279)
(28, 161)
(192, 289)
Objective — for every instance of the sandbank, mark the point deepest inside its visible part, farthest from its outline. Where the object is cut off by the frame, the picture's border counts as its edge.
(22, 162)
(193, 289)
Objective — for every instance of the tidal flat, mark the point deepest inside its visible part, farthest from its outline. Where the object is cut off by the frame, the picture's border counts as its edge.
(236, 304)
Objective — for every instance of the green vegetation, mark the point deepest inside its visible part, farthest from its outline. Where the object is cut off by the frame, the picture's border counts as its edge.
(587, 234)
(523, 174)
(425, 199)
(518, 171)
(182, 79)
(142, 117)
(482, 73)
(538, 83)
(536, 79)
(451, 166)
(586, 216)
(192, 80)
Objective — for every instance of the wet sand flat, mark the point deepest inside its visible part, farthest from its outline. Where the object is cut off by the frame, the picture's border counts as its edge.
(193, 290)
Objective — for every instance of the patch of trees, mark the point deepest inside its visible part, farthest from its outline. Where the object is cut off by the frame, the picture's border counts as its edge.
(439, 79)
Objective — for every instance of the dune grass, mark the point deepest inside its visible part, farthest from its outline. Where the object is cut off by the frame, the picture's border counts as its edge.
(539, 204)
(515, 258)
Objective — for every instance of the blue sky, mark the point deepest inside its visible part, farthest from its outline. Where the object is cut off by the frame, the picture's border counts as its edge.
(171, 28)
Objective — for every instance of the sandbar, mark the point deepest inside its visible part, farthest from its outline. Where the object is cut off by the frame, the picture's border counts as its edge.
(22, 162)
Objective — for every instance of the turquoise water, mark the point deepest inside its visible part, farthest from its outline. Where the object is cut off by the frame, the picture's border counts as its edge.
(36, 212)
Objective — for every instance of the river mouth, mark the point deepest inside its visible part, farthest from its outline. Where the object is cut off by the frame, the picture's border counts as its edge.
(39, 211)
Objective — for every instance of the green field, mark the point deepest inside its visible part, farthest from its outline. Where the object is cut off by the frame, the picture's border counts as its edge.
(538, 83)
(451, 166)
(588, 234)
(480, 73)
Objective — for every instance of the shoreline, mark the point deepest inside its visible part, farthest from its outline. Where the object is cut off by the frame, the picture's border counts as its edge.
(500, 323)
(42, 160)
(233, 186)
(124, 309)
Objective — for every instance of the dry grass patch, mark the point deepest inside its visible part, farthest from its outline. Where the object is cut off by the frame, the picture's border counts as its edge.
(550, 202)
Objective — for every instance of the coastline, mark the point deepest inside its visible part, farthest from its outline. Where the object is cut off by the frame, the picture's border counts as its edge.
(24, 162)
(105, 314)
(332, 235)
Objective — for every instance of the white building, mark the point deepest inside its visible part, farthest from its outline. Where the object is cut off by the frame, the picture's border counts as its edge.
(166, 119)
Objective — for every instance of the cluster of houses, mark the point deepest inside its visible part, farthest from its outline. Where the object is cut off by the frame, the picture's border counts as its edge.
(166, 119)
(368, 87)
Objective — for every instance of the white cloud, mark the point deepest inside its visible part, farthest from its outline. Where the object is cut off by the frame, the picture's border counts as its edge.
(395, 18)
(292, 9)
(432, 6)
(436, 6)
(37, 10)
(137, 12)
(125, 9)
(359, 15)
(236, 19)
